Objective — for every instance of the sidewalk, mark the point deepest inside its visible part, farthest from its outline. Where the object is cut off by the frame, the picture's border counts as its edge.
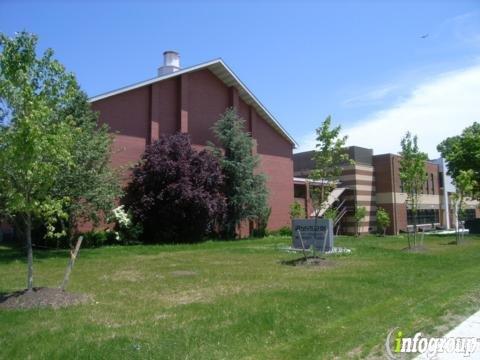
(470, 328)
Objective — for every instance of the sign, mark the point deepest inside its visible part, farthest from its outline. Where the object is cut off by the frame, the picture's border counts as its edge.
(314, 232)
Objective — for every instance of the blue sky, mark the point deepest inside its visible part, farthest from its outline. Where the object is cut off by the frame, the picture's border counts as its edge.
(365, 63)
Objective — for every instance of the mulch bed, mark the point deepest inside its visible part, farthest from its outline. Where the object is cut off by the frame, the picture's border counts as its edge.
(41, 298)
(310, 261)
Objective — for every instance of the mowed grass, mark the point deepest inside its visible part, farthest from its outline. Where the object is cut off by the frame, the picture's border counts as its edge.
(220, 300)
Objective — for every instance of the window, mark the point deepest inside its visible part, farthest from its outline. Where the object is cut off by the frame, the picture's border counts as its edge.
(299, 190)
(440, 179)
(433, 183)
(424, 216)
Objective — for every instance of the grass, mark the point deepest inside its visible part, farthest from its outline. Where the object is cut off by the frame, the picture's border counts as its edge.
(236, 300)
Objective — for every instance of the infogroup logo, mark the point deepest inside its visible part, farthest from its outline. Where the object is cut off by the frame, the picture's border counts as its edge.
(397, 344)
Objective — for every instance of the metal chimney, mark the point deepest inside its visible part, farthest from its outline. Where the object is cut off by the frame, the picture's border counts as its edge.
(171, 63)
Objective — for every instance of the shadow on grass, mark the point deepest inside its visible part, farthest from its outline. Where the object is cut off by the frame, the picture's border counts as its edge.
(309, 261)
(453, 242)
(10, 253)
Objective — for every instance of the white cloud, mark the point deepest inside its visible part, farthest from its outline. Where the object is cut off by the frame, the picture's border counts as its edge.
(371, 96)
(465, 27)
(434, 110)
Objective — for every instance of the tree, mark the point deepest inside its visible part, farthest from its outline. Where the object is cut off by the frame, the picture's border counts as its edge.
(244, 187)
(412, 175)
(329, 156)
(54, 157)
(462, 152)
(175, 192)
(465, 186)
(383, 220)
(360, 213)
(331, 214)
(36, 145)
(90, 183)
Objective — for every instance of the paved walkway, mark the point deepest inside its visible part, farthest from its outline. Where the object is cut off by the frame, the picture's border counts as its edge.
(470, 328)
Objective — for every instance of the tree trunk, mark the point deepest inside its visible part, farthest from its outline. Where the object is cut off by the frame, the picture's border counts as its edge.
(28, 236)
(415, 229)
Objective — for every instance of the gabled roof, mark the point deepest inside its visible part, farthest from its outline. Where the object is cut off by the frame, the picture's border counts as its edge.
(225, 74)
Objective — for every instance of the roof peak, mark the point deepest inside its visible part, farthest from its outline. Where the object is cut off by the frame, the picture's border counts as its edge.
(226, 75)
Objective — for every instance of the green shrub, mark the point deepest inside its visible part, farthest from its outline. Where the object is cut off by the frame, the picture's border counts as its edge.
(283, 231)
(94, 239)
(383, 220)
(296, 210)
(262, 222)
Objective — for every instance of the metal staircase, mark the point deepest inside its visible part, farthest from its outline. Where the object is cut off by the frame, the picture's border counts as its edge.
(332, 198)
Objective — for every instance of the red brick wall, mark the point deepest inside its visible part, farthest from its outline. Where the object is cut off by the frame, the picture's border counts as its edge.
(167, 104)
(127, 115)
(208, 98)
(198, 98)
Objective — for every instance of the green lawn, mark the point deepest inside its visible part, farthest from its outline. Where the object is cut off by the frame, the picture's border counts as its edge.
(236, 300)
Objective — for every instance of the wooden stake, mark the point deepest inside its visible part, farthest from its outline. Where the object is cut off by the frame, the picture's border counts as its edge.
(303, 246)
(73, 256)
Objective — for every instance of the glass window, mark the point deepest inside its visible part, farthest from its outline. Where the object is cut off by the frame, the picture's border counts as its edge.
(299, 190)
(424, 216)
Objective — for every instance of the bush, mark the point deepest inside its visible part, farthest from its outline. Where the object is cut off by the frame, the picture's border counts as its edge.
(94, 239)
(296, 210)
(175, 192)
(126, 231)
(262, 222)
(473, 226)
(283, 231)
(383, 220)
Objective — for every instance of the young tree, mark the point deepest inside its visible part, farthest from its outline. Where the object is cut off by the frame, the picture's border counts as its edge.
(462, 152)
(413, 175)
(54, 157)
(175, 192)
(35, 144)
(91, 184)
(465, 186)
(383, 220)
(244, 188)
(329, 156)
(360, 213)
(331, 214)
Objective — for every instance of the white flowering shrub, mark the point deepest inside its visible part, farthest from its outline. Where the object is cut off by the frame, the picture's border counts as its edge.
(125, 229)
(121, 217)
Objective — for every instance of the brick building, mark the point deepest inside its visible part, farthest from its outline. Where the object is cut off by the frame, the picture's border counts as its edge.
(373, 182)
(190, 100)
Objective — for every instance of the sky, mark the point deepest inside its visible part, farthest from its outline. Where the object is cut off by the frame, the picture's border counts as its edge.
(378, 68)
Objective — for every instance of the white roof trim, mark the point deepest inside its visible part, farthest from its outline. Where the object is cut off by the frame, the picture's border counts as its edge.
(300, 180)
(151, 81)
(244, 91)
